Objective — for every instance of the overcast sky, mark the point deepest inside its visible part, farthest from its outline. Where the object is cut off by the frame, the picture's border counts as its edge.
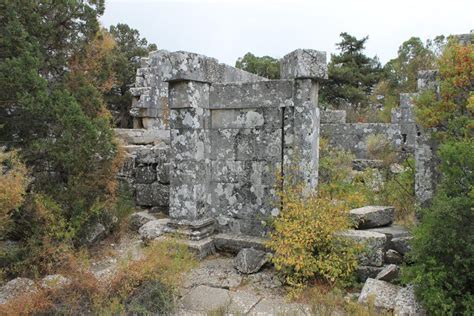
(227, 29)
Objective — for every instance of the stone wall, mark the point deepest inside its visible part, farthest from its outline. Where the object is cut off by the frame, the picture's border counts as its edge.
(150, 107)
(352, 137)
(146, 167)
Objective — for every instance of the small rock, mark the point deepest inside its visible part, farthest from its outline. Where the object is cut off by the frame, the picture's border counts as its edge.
(153, 229)
(392, 256)
(372, 216)
(139, 219)
(396, 168)
(389, 273)
(54, 281)
(250, 260)
(365, 272)
(401, 244)
(97, 233)
(16, 287)
(406, 303)
(382, 293)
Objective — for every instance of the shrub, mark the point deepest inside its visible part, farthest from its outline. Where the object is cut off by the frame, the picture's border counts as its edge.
(380, 148)
(305, 242)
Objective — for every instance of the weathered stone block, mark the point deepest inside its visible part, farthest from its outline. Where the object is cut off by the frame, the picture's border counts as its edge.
(401, 244)
(333, 116)
(269, 118)
(304, 63)
(382, 293)
(275, 93)
(250, 260)
(188, 94)
(191, 118)
(374, 244)
(152, 194)
(189, 144)
(389, 273)
(163, 173)
(145, 174)
(372, 216)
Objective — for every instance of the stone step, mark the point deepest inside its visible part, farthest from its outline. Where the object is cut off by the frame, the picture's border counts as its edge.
(372, 216)
(363, 164)
(233, 243)
(138, 219)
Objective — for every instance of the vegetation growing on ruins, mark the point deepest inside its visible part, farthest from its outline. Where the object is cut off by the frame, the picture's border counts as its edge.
(443, 246)
(145, 286)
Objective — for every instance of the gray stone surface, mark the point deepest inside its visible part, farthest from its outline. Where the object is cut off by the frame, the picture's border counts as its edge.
(153, 229)
(393, 257)
(401, 244)
(233, 243)
(406, 303)
(138, 219)
(365, 272)
(278, 306)
(372, 216)
(303, 64)
(389, 273)
(364, 164)
(206, 299)
(250, 260)
(333, 116)
(392, 231)
(382, 294)
(219, 273)
(16, 287)
(95, 233)
(373, 243)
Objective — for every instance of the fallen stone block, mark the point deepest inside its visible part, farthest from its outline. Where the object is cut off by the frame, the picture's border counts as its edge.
(206, 299)
(233, 243)
(373, 243)
(401, 244)
(153, 229)
(15, 288)
(250, 260)
(393, 257)
(389, 273)
(392, 231)
(372, 216)
(138, 219)
(406, 303)
(365, 272)
(380, 293)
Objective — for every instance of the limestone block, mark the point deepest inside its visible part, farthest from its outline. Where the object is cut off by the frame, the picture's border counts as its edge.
(247, 118)
(222, 144)
(392, 231)
(54, 281)
(188, 201)
(304, 63)
(138, 219)
(189, 144)
(145, 174)
(151, 155)
(333, 116)
(163, 172)
(153, 229)
(393, 256)
(250, 260)
(406, 303)
(229, 171)
(382, 293)
(188, 94)
(389, 273)
(193, 118)
(206, 299)
(274, 93)
(365, 272)
(401, 244)
(374, 244)
(154, 194)
(233, 243)
(372, 216)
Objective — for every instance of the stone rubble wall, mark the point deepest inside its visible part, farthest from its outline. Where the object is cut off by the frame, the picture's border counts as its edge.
(146, 168)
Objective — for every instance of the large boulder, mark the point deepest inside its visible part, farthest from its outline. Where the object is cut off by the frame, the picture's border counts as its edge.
(373, 243)
(16, 287)
(380, 293)
(372, 216)
(250, 260)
